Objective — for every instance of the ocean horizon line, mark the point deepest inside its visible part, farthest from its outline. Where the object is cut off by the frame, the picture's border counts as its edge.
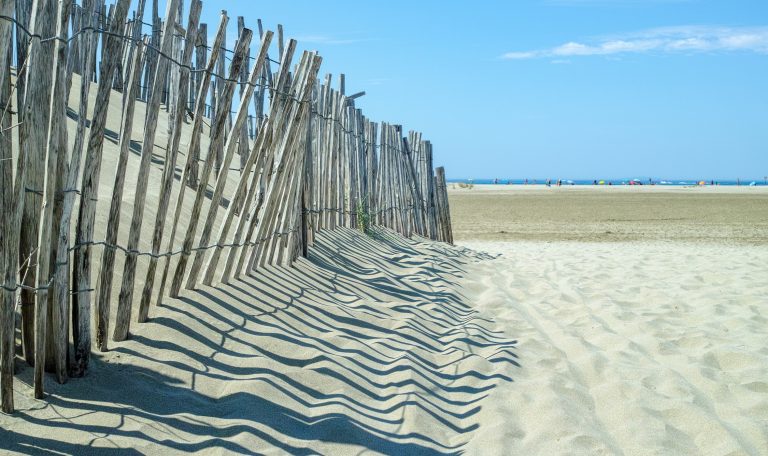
(609, 181)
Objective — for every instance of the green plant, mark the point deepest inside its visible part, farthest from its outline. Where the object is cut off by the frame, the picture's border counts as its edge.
(363, 217)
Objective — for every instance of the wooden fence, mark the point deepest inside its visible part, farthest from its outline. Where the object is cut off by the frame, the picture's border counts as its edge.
(309, 160)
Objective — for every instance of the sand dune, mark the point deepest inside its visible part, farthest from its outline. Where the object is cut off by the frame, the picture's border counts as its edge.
(365, 346)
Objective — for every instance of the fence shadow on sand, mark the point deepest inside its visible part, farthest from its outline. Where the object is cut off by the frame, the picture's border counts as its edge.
(367, 344)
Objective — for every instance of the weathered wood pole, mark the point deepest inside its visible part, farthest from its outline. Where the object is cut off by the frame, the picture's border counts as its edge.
(201, 56)
(217, 142)
(194, 144)
(444, 212)
(125, 299)
(231, 146)
(8, 233)
(32, 141)
(243, 146)
(80, 326)
(56, 144)
(90, 190)
(256, 155)
(152, 56)
(170, 162)
(104, 282)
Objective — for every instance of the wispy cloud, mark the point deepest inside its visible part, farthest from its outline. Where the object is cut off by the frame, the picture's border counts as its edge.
(660, 40)
(328, 40)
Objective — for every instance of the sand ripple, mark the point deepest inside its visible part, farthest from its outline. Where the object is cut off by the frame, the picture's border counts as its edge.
(635, 348)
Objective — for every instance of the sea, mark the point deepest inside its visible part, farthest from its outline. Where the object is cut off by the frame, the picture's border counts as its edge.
(619, 181)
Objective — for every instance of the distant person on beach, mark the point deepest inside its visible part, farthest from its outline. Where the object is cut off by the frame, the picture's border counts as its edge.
(594, 182)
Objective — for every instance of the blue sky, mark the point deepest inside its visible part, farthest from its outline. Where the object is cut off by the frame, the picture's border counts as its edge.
(551, 88)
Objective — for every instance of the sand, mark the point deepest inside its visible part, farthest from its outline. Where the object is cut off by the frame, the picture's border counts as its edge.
(730, 215)
(366, 347)
(646, 340)
(554, 337)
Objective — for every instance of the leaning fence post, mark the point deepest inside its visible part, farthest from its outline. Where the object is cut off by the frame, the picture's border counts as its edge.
(194, 144)
(218, 130)
(81, 336)
(171, 155)
(91, 175)
(56, 119)
(104, 283)
(8, 234)
(148, 144)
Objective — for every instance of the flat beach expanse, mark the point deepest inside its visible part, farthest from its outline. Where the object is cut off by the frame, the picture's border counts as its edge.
(641, 315)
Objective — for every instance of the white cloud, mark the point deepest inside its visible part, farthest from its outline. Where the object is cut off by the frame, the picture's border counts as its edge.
(661, 40)
(323, 39)
(520, 55)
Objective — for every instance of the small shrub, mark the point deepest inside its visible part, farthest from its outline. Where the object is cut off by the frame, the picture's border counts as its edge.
(363, 218)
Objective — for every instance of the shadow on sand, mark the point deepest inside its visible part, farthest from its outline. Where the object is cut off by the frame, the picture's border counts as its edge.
(367, 345)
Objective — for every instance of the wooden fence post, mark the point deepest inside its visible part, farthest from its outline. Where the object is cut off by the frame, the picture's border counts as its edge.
(8, 234)
(443, 209)
(282, 110)
(104, 282)
(170, 163)
(80, 326)
(194, 144)
(90, 188)
(32, 141)
(201, 55)
(230, 147)
(220, 103)
(216, 143)
(56, 135)
(258, 155)
(150, 129)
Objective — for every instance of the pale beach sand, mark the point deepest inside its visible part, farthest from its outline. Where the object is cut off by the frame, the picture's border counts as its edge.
(367, 347)
(552, 342)
(641, 316)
